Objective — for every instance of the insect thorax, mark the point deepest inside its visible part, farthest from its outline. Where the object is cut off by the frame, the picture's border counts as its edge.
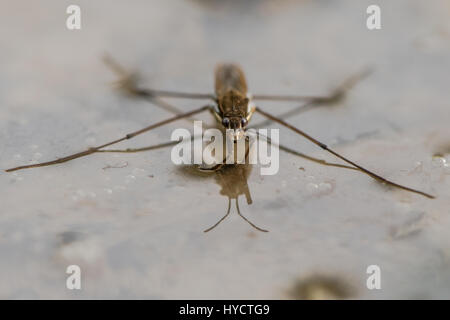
(233, 104)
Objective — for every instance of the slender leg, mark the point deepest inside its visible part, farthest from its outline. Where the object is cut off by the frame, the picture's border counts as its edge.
(336, 95)
(126, 137)
(250, 114)
(219, 166)
(128, 83)
(314, 102)
(135, 150)
(302, 155)
(323, 146)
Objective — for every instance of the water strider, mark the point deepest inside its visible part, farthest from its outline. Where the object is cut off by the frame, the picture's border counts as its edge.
(233, 109)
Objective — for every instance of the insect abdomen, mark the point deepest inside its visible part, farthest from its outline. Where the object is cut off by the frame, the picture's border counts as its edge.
(228, 77)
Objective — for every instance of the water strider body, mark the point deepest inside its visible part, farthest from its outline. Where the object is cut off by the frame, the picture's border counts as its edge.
(233, 109)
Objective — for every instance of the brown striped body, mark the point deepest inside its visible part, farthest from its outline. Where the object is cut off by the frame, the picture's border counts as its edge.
(231, 93)
(230, 77)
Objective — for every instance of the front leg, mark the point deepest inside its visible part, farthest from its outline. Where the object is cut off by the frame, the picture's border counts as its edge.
(128, 84)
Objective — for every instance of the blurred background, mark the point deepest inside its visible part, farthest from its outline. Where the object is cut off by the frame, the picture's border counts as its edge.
(134, 222)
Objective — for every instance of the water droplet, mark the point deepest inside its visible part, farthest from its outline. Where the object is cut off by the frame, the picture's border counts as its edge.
(439, 161)
(17, 157)
(108, 191)
(34, 147)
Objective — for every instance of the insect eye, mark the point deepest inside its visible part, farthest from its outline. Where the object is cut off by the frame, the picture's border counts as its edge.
(225, 122)
(243, 122)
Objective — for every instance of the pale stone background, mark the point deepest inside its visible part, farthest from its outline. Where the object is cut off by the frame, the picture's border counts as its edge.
(136, 231)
